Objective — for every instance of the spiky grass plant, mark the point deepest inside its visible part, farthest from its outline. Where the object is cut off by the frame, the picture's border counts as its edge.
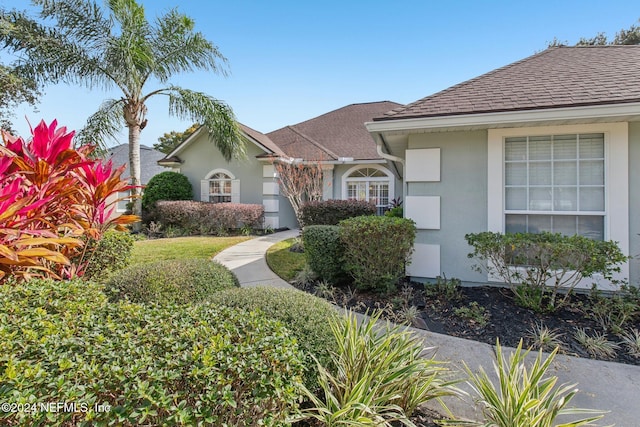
(597, 344)
(524, 395)
(381, 376)
(631, 340)
(325, 290)
(543, 338)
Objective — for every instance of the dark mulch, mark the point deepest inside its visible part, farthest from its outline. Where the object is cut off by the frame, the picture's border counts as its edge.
(423, 417)
(504, 319)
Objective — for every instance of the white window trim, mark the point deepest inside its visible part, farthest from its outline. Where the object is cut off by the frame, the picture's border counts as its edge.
(389, 176)
(235, 185)
(120, 196)
(616, 146)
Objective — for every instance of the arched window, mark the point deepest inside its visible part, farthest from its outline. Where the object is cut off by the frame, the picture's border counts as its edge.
(371, 183)
(220, 186)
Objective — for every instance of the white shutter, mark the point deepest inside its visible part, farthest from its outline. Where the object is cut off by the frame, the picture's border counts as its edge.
(235, 191)
(204, 190)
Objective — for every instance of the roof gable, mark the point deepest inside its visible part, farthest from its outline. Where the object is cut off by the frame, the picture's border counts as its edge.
(339, 133)
(261, 140)
(557, 77)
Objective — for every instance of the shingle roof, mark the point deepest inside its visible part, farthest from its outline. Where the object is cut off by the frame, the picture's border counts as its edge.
(261, 138)
(339, 133)
(149, 157)
(554, 78)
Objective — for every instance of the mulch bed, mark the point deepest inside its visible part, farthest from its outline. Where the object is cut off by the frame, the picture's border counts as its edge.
(504, 319)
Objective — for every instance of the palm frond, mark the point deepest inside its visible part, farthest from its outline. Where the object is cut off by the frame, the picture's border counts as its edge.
(177, 48)
(104, 124)
(82, 20)
(129, 54)
(51, 54)
(214, 114)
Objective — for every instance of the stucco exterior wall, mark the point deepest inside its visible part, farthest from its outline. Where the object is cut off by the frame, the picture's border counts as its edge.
(202, 156)
(634, 203)
(462, 193)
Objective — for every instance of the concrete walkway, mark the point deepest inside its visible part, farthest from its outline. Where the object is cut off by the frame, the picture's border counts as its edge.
(606, 386)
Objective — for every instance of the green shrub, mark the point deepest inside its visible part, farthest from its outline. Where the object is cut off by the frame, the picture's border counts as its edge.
(331, 212)
(323, 251)
(208, 218)
(306, 316)
(176, 281)
(540, 266)
(381, 376)
(376, 249)
(149, 365)
(524, 395)
(112, 253)
(166, 186)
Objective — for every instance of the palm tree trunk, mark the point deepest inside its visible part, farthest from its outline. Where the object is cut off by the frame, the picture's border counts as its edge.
(134, 169)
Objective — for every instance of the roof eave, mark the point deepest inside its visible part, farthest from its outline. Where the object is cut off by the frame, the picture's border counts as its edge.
(505, 118)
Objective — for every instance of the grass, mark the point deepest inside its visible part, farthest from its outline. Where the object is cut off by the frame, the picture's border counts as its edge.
(283, 262)
(206, 247)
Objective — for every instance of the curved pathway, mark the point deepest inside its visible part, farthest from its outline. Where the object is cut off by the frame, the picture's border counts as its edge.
(607, 386)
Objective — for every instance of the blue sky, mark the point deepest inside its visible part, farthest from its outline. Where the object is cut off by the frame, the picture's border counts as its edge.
(294, 60)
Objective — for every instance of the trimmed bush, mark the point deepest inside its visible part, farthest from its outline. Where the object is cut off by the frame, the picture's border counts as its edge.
(539, 267)
(166, 186)
(149, 365)
(306, 316)
(331, 212)
(376, 249)
(208, 218)
(177, 281)
(112, 253)
(323, 251)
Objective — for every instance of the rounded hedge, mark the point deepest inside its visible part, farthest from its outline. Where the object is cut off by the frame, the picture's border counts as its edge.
(306, 316)
(176, 281)
(323, 251)
(143, 364)
(376, 249)
(166, 186)
(111, 253)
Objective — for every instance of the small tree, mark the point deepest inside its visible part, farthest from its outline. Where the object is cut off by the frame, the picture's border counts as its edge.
(299, 183)
(170, 140)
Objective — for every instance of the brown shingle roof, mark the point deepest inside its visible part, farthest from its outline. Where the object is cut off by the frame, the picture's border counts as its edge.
(339, 133)
(261, 138)
(554, 78)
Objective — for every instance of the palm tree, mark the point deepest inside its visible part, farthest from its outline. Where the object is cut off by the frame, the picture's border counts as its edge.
(118, 48)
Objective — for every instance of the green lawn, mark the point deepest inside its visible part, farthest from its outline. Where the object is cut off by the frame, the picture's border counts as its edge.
(283, 262)
(181, 248)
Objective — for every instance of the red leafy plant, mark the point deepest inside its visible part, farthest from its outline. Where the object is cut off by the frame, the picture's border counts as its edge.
(54, 199)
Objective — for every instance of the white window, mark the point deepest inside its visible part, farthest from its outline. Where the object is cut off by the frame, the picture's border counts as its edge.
(594, 199)
(555, 183)
(123, 201)
(220, 186)
(372, 184)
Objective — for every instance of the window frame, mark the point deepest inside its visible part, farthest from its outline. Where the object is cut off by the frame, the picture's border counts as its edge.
(388, 178)
(234, 187)
(554, 213)
(616, 146)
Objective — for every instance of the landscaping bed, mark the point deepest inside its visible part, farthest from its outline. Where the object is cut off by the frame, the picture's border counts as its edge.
(482, 314)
